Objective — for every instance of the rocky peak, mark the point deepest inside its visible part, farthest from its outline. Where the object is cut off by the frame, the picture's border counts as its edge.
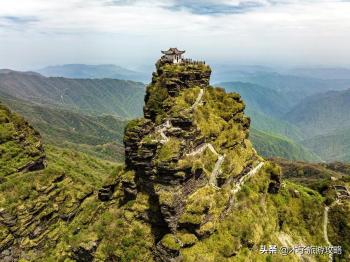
(169, 79)
(190, 153)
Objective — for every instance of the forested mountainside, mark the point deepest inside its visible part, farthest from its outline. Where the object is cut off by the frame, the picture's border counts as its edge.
(274, 126)
(261, 99)
(325, 122)
(323, 113)
(192, 188)
(315, 117)
(100, 136)
(91, 96)
(88, 115)
(269, 145)
(271, 135)
(334, 146)
(332, 181)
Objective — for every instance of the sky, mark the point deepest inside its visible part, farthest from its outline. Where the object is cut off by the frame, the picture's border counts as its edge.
(131, 33)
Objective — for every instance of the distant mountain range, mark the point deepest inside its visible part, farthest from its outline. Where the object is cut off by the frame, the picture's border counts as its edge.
(311, 112)
(322, 113)
(83, 71)
(229, 72)
(120, 98)
(296, 88)
(87, 115)
(295, 84)
(100, 136)
(322, 72)
(269, 145)
(259, 98)
(297, 114)
(325, 122)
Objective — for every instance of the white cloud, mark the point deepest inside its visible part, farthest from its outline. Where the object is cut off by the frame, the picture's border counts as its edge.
(133, 31)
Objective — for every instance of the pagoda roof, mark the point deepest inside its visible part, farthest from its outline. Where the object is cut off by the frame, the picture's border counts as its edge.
(173, 51)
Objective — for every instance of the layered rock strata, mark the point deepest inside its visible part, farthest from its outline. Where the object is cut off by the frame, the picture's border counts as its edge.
(189, 152)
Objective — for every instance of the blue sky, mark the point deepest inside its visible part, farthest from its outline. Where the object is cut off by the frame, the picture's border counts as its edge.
(35, 33)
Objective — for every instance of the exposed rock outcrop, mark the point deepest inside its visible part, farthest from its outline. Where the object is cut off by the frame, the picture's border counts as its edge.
(32, 223)
(188, 152)
(20, 145)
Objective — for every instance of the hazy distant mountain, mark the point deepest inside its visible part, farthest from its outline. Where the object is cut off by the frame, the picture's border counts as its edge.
(322, 73)
(259, 98)
(315, 113)
(295, 88)
(265, 107)
(92, 96)
(322, 113)
(93, 71)
(228, 72)
(271, 135)
(9, 71)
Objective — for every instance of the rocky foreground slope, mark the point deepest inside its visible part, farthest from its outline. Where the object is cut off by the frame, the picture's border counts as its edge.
(20, 144)
(192, 189)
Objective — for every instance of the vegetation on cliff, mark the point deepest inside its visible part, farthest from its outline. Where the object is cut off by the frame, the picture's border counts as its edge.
(20, 144)
(191, 155)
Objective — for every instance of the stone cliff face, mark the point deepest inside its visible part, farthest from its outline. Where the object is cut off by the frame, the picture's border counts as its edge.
(38, 205)
(189, 153)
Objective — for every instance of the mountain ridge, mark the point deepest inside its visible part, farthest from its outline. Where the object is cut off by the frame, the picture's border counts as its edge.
(322, 113)
(260, 98)
(97, 135)
(91, 96)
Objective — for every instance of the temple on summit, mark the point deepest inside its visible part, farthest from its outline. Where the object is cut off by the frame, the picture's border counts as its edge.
(173, 55)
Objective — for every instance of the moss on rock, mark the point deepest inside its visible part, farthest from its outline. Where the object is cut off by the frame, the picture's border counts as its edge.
(20, 145)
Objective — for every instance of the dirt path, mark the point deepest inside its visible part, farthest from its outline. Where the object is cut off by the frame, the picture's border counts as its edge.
(244, 178)
(216, 170)
(163, 127)
(199, 99)
(325, 224)
(200, 149)
(238, 186)
(213, 176)
(325, 233)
